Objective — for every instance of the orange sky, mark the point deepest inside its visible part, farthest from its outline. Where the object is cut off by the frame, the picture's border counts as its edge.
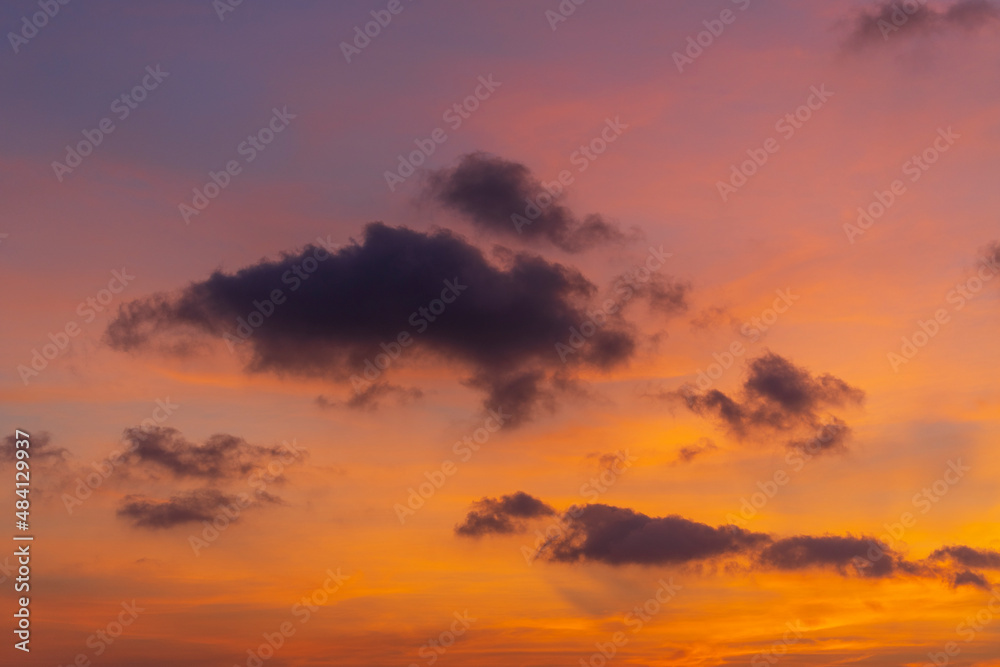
(334, 504)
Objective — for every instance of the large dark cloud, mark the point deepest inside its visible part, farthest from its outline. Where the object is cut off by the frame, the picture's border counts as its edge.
(221, 457)
(621, 536)
(502, 515)
(892, 19)
(353, 305)
(780, 397)
(505, 198)
(190, 507)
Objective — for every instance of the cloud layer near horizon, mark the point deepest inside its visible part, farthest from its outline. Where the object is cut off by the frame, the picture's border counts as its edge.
(621, 536)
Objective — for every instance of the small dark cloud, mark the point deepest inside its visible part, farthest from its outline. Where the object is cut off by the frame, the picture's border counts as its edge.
(830, 437)
(614, 462)
(712, 317)
(689, 453)
(893, 19)
(221, 457)
(190, 507)
(991, 256)
(40, 448)
(503, 515)
(504, 197)
(971, 13)
(969, 578)
(665, 295)
(958, 563)
(780, 397)
(371, 398)
(501, 322)
(968, 557)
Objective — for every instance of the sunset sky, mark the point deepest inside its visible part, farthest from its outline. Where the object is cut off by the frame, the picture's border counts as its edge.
(503, 333)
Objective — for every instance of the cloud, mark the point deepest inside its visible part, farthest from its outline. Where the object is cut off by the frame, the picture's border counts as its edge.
(968, 557)
(664, 294)
(190, 507)
(968, 578)
(713, 316)
(504, 197)
(861, 555)
(620, 536)
(688, 453)
(222, 465)
(892, 19)
(370, 399)
(957, 564)
(39, 448)
(220, 457)
(780, 397)
(991, 256)
(502, 515)
(355, 314)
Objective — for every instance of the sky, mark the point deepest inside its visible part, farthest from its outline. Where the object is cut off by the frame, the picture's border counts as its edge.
(501, 333)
